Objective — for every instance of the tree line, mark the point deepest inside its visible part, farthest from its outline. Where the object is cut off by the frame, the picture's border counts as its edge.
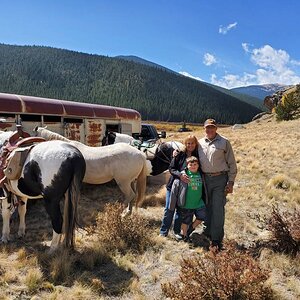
(156, 93)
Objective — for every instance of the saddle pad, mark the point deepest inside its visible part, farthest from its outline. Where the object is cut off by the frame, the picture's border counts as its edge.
(15, 163)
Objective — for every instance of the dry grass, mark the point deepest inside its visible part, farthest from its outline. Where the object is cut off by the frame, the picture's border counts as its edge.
(268, 174)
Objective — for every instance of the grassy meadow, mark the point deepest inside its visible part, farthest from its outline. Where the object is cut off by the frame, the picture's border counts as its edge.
(119, 258)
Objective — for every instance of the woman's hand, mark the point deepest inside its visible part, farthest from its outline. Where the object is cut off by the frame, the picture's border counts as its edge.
(184, 178)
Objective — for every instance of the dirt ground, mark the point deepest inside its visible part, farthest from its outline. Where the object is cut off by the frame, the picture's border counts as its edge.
(267, 152)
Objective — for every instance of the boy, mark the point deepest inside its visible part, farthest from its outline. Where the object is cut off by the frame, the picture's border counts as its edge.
(188, 198)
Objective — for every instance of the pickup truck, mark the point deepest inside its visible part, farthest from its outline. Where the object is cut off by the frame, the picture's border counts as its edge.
(149, 133)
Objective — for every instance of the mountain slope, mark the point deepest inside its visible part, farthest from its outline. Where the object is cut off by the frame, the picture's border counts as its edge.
(241, 96)
(259, 91)
(157, 94)
(143, 62)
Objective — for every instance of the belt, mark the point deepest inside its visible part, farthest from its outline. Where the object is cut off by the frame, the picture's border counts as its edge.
(215, 174)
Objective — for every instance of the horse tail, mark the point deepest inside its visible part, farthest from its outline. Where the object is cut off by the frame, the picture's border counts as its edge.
(72, 197)
(141, 184)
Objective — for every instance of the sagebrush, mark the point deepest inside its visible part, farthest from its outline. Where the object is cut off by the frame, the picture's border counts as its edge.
(285, 231)
(230, 274)
(122, 233)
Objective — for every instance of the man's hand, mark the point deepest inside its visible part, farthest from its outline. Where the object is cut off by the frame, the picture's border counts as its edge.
(229, 188)
(184, 178)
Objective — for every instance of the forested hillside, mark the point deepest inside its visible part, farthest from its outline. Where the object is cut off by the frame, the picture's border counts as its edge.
(155, 93)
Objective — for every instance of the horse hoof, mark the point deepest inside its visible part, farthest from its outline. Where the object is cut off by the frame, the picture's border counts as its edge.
(4, 240)
(21, 235)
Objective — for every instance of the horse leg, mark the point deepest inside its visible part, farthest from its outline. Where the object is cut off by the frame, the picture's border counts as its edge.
(126, 188)
(53, 210)
(6, 219)
(22, 212)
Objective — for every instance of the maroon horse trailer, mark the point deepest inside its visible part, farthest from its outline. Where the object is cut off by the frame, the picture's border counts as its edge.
(78, 121)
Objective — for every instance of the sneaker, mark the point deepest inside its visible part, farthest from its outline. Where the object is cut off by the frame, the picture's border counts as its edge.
(178, 236)
(163, 235)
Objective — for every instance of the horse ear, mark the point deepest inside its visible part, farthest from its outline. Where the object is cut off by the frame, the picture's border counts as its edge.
(35, 128)
(45, 127)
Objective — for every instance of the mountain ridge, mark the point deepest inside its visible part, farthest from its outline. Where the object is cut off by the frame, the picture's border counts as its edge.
(260, 91)
(155, 93)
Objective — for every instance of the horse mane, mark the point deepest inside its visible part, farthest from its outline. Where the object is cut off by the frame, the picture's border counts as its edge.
(176, 145)
(49, 135)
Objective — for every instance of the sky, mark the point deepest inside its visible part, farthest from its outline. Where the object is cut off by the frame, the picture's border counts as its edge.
(227, 43)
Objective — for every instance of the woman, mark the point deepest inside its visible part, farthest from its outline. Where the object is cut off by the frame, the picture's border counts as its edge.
(177, 165)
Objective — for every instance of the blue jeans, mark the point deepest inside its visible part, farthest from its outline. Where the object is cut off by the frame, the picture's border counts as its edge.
(168, 218)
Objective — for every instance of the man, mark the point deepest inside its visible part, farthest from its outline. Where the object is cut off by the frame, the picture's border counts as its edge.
(219, 167)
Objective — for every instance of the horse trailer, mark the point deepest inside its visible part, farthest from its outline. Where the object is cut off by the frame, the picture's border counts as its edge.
(78, 121)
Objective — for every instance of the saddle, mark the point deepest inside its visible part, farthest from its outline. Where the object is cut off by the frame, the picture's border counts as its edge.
(14, 155)
(146, 147)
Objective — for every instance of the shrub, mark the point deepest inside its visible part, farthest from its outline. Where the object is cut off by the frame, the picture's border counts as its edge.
(122, 233)
(230, 274)
(289, 106)
(285, 231)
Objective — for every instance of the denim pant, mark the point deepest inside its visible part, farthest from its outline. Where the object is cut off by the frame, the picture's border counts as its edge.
(168, 218)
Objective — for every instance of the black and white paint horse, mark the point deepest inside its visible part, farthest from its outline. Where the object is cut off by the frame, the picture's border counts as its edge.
(115, 137)
(53, 170)
(160, 155)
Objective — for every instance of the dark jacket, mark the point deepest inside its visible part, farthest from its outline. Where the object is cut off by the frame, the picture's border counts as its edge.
(177, 165)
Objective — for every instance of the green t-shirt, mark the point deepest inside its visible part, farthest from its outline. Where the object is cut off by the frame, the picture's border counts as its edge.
(193, 197)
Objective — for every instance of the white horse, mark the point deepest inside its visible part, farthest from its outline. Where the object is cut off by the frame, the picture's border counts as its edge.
(121, 162)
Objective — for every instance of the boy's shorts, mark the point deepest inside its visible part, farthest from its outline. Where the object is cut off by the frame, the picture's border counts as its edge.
(186, 214)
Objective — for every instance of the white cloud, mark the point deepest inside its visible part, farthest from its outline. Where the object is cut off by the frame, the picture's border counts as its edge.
(209, 59)
(232, 80)
(246, 47)
(274, 66)
(225, 29)
(191, 76)
(295, 62)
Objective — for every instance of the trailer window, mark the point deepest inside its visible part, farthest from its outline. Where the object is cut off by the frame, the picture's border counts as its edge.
(31, 118)
(52, 119)
(7, 116)
(113, 127)
(73, 120)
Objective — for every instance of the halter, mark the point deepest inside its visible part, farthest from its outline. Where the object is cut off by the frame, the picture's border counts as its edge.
(106, 138)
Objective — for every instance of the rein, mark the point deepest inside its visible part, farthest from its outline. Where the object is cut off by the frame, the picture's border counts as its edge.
(168, 160)
(165, 159)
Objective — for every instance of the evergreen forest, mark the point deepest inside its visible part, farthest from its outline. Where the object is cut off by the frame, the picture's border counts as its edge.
(156, 93)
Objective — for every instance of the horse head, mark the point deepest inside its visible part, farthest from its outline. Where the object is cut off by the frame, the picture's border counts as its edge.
(109, 138)
(162, 158)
